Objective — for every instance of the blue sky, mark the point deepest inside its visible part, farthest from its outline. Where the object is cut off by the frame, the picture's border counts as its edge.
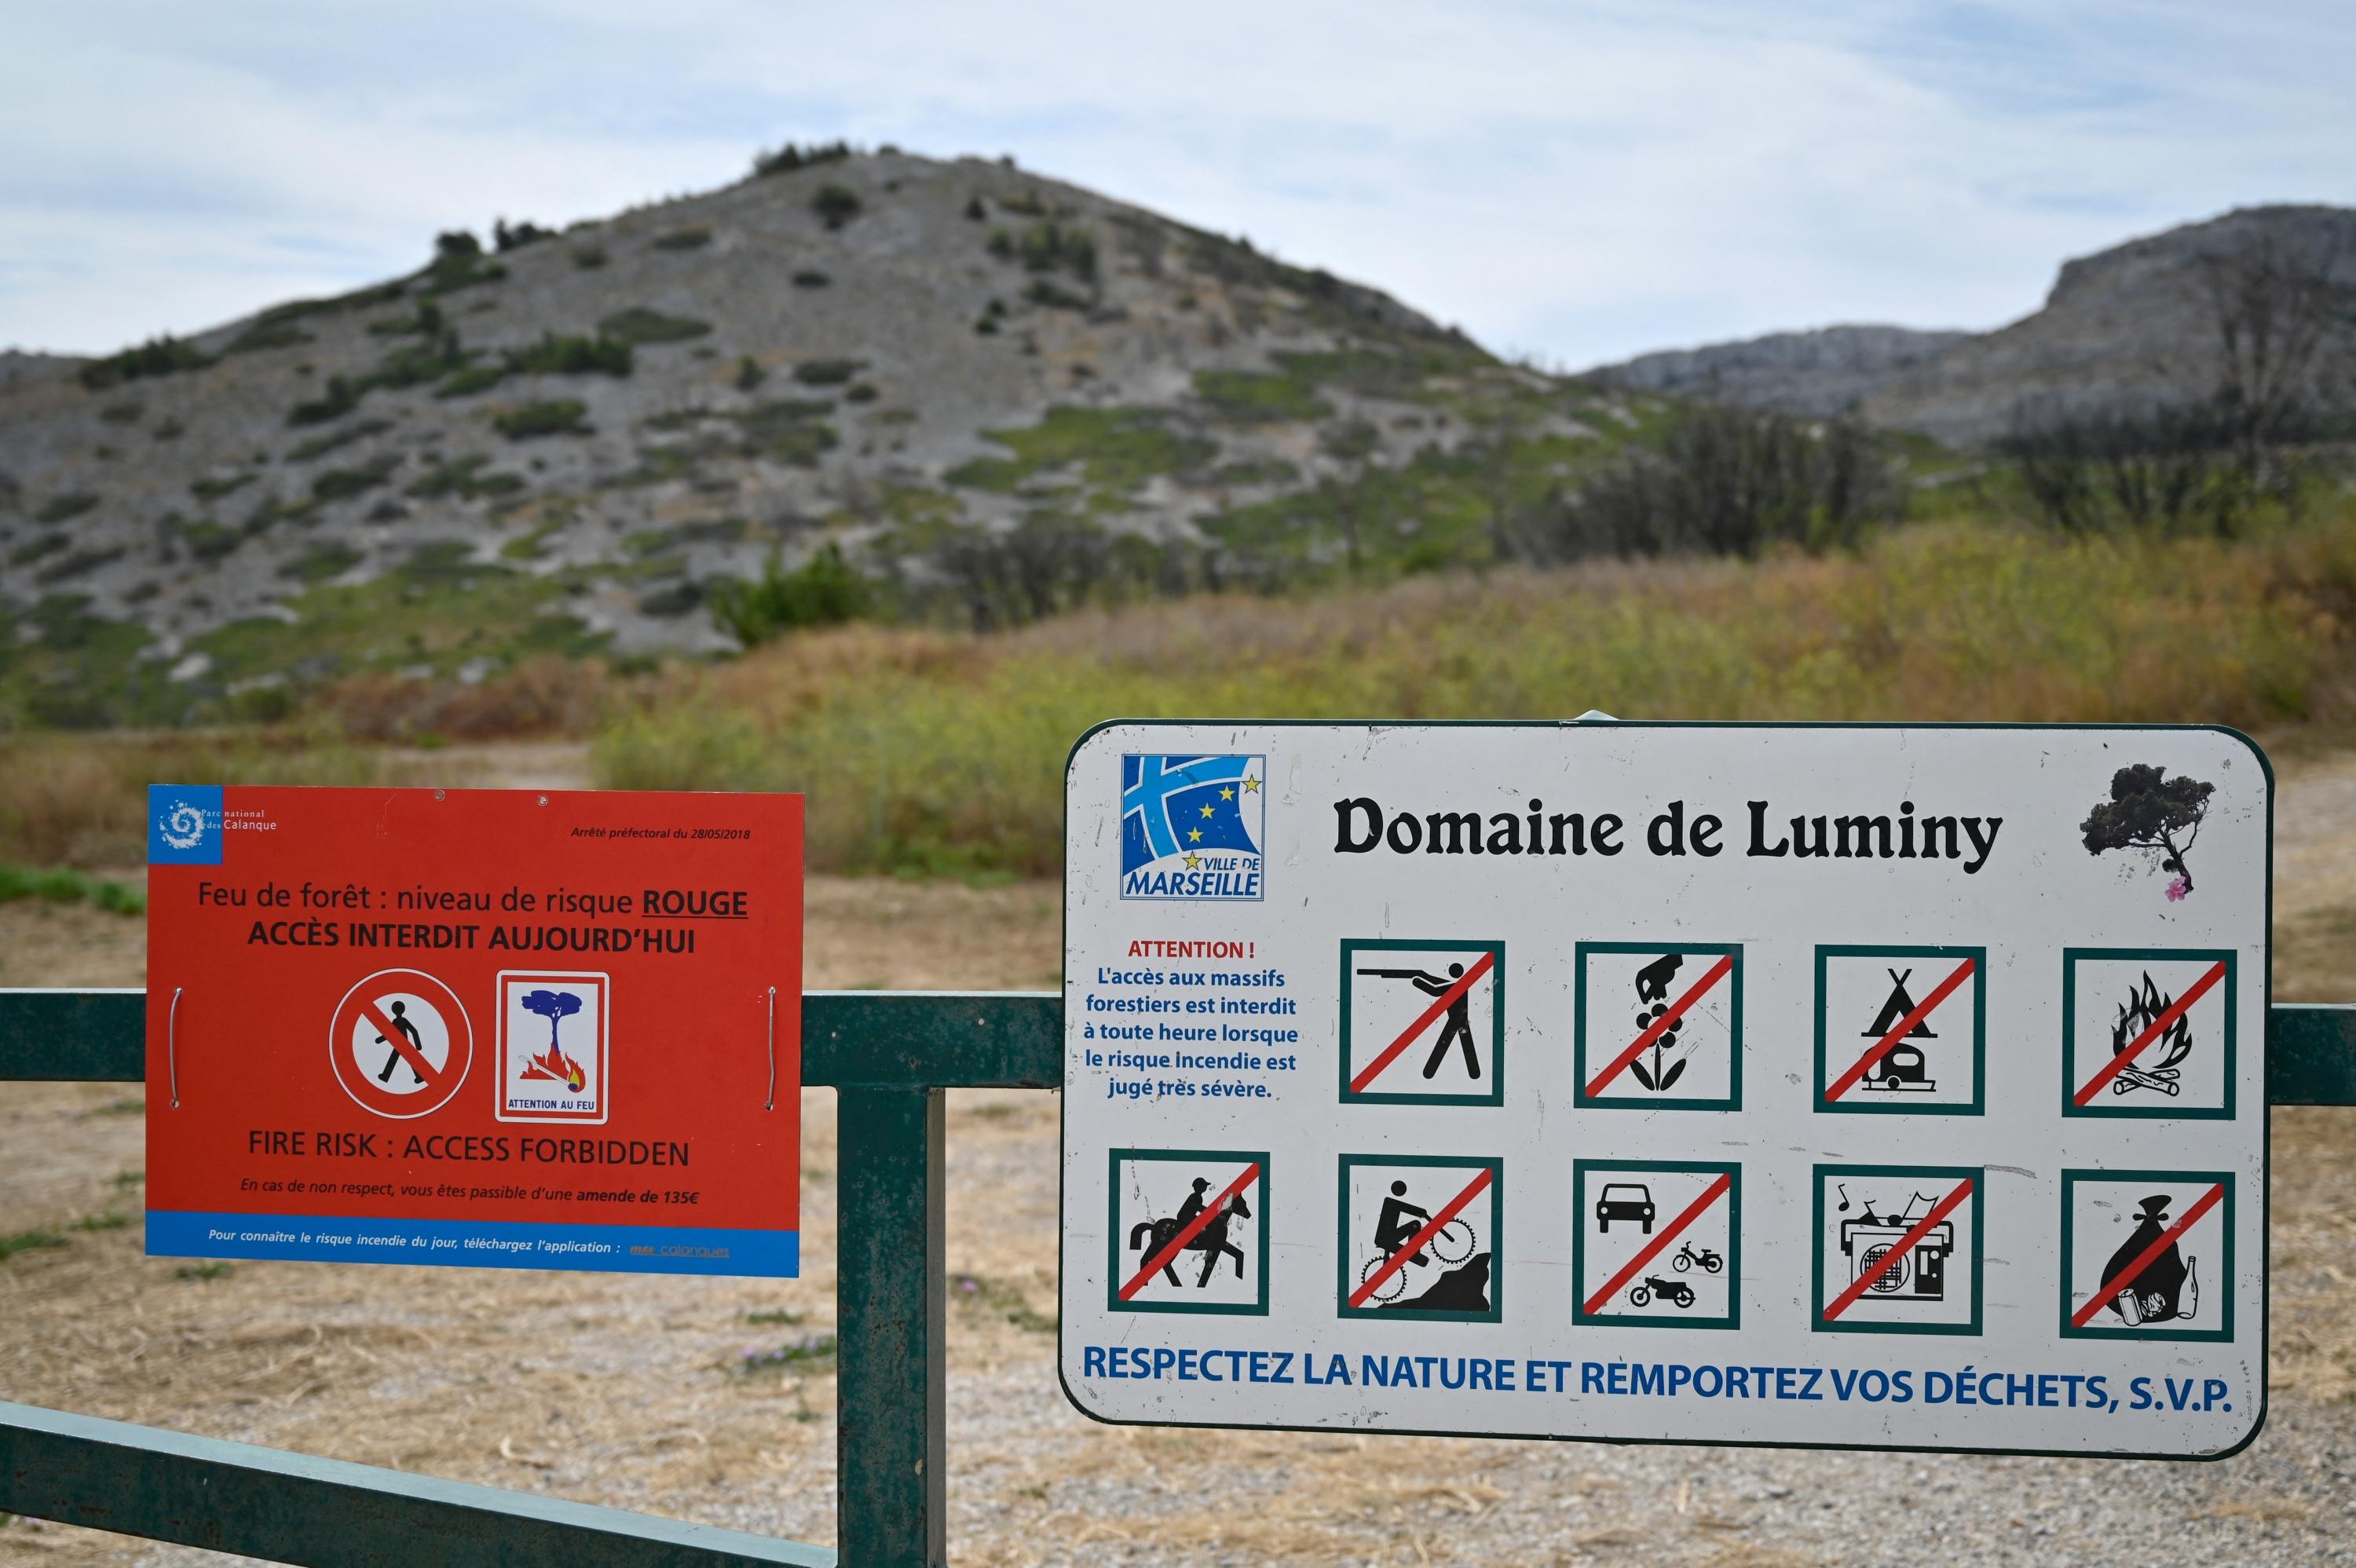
(1573, 182)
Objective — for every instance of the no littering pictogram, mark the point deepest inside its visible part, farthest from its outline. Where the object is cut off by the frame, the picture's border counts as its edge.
(401, 1043)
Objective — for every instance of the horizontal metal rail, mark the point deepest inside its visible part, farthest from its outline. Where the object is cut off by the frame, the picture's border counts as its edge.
(294, 1508)
(890, 1054)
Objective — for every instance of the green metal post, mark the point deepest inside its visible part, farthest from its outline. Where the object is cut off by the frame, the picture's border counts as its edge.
(892, 1316)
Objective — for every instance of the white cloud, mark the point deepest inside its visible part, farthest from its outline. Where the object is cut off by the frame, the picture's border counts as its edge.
(1577, 182)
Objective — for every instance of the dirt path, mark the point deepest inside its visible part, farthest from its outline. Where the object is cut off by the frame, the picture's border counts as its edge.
(634, 1390)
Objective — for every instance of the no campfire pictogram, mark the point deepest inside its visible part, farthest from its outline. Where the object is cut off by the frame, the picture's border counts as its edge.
(1423, 1022)
(2149, 1032)
(401, 1043)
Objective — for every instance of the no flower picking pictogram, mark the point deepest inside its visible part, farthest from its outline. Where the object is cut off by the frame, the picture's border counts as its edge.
(417, 927)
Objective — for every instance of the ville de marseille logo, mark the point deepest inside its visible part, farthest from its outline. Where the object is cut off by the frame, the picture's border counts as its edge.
(1192, 827)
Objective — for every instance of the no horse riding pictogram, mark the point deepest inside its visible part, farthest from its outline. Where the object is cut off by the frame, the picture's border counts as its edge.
(1188, 1231)
(399, 1043)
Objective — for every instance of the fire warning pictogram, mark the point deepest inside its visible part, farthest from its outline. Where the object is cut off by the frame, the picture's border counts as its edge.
(552, 1047)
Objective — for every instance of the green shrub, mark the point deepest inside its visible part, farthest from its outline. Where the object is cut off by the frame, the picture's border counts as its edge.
(1049, 246)
(749, 373)
(267, 334)
(339, 483)
(341, 397)
(60, 885)
(589, 257)
(458, 263)
(1055, 297)
(603, 355)
(517, 237)
(474, 378)
(826, 372)
(129, 411)
(320, 445)
(211, 489)
(824, 591)
(169, 430)
(975, 211)
(26, 554)
(639, 325)
(788, 158)
(835, 203)
(60, 508)
(811, 278)
(566, 416)
(863, 392)
(692, 238)
(164, 355)
(324, 561)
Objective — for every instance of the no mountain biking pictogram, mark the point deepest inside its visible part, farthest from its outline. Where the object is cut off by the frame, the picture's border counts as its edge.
(401, 1043)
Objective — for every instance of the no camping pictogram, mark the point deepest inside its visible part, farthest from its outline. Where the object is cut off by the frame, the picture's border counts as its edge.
(1901, 1029)
(2148, 1255)
(1419, 1236)
(1422, 1023)
(1897, 1249)
(1658, 1026)
(1188, 1232)
(2150, 1032)
(1657, 1244)
(401, 1043)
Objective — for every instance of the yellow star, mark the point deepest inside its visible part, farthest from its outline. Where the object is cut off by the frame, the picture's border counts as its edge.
(1226, 795)
(1194, 835)
(1206, 808)
(1252, 787)
(1192, 861)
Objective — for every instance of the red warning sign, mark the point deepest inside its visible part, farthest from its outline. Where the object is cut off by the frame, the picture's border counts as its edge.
(480, 1027)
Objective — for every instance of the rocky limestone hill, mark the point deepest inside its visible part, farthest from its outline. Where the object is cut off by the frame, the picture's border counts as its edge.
(2128, 326)
(990, 390)
(1820, 373)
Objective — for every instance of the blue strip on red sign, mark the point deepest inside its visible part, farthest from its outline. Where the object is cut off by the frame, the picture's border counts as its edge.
(481, 1243)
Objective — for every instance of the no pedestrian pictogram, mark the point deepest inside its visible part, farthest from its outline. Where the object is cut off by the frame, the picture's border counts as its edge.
(401, 1043)
(1423, 1022)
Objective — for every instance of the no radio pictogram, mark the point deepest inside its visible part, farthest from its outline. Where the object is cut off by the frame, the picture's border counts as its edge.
(401, 1043)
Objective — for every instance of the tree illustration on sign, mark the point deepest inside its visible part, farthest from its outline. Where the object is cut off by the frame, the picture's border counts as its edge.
(2149, 811)
(553, 1063)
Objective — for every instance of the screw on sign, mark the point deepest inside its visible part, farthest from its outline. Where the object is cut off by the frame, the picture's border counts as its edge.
(400, 1044)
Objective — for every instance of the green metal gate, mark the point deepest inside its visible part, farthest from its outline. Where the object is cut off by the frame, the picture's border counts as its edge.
(890, 1057)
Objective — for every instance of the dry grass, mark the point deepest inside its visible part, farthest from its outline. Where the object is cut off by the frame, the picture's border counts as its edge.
(933, 752)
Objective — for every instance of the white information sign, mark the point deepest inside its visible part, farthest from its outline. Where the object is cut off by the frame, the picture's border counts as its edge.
(1897, 1086)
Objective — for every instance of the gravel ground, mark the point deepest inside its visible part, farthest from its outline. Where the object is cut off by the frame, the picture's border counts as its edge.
(631, 1391)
